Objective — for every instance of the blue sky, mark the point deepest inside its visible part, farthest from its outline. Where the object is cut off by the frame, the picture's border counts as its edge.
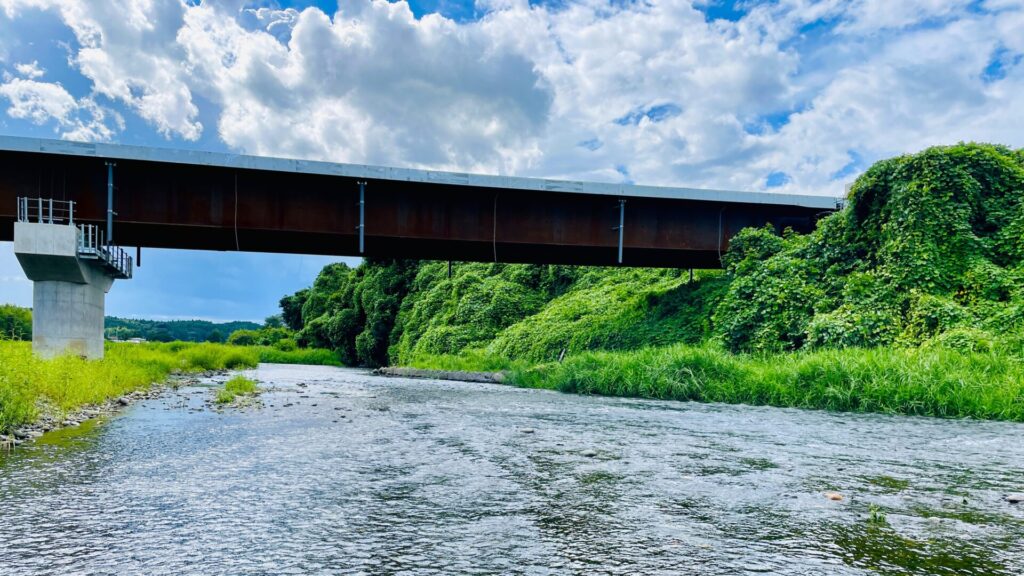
(794, 96)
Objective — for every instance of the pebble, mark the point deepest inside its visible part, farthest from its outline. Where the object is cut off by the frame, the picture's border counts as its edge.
(589, 453)
(527, 430)
(834, 496)
(122, 401)
(1015, 498)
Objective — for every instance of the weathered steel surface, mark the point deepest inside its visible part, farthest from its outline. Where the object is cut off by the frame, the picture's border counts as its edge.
(172, 199)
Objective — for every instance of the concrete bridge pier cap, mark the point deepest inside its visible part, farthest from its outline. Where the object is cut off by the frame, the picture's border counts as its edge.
(72, 270)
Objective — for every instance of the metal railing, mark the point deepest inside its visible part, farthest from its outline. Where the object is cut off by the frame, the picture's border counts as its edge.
(92, 243)
(46, 211)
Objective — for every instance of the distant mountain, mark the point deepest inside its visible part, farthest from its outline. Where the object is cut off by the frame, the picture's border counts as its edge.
(168, 330)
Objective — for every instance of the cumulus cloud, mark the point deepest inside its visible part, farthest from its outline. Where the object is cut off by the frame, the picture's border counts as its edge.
(42, 102)
(794, 95)
(30, 69)
(127, 49)
(373, 84)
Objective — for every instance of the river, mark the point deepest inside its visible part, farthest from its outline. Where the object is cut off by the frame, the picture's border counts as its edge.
(340, 472)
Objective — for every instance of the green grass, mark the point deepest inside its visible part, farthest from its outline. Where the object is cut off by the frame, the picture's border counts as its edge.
(237, 386)
(471, 360)
(311, 356)
(66, 383)
(927, 382)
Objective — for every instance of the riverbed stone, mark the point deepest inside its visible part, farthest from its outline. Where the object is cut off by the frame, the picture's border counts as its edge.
(589, 453)
(1015, 498)
(527, 430)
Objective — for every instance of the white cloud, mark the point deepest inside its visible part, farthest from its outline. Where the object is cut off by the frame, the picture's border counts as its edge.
(30, 70)
(650, 91)
(372, 85)
(42, 102)
(128, 50)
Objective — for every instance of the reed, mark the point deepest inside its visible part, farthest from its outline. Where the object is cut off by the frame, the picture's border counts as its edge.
(912, 381)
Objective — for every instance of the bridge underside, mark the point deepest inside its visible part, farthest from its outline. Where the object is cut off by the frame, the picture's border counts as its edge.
(185, 206)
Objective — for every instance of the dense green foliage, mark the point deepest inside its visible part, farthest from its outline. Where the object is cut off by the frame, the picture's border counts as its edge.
(928, 252)
(529, 312)
(15, 323)
(170, 330)
(279, 337)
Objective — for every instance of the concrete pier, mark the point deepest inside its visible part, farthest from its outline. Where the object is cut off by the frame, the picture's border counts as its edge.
(69, 288)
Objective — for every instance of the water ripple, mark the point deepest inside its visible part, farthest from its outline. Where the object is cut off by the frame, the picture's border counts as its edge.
(342, 472)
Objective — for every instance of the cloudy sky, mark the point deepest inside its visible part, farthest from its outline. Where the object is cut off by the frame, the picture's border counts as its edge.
(787, 95)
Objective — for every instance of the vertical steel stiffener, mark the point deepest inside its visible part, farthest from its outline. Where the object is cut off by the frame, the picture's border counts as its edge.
(622, 224)
(362, 215)
(110, 202)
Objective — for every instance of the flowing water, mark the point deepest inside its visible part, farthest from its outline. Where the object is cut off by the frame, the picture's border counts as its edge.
(342, 472)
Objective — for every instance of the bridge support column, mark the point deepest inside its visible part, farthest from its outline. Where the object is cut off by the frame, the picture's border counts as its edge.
(68, 292)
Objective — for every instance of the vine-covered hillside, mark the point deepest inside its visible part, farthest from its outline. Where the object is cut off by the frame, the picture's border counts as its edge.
(929, 251)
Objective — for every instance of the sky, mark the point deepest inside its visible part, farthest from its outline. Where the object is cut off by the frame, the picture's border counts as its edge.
(795, 96)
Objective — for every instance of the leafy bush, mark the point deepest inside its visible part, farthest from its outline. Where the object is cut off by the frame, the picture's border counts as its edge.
(267, 336)
(15, 323)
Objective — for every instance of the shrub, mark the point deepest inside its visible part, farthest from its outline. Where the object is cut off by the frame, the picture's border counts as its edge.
(15, 323)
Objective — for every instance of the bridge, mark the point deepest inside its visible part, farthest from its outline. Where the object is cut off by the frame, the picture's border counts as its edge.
(163, 198)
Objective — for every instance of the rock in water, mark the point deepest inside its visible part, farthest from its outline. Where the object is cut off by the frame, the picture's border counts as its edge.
(527, 430)
(834, 496)
(1015, 498)
(589, 453)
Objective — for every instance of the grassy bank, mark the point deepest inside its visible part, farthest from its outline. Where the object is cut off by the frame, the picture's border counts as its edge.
(928, 382)
(29, 384)
(311, 356)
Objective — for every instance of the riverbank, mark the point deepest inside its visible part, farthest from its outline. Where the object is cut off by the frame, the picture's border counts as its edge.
(923, 382)
(67, 388)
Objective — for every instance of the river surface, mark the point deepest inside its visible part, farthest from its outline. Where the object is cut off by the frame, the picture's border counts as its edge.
(341, 472)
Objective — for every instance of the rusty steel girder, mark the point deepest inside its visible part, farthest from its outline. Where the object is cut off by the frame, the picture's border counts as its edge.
(241, 203)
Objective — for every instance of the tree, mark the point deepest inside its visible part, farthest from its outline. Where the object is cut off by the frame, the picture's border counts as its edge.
(215, 336)
(275, 321)
(242, 338)
(15, 323)
(291, 309)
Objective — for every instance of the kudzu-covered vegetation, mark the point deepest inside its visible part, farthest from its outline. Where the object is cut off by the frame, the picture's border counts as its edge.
(923, 269)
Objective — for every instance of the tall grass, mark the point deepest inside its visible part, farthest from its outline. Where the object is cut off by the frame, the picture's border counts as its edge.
(470, 360)
(928, 382)
(67, 382)
(312, 356)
